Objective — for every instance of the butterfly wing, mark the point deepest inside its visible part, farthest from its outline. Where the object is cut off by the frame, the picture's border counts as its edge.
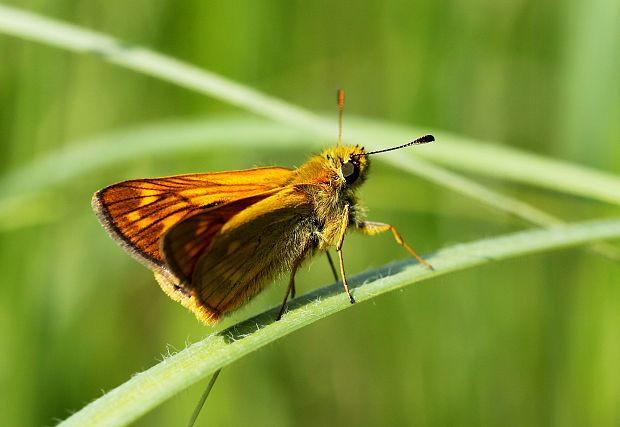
(186, 242)
(220, 271)
(138, 212)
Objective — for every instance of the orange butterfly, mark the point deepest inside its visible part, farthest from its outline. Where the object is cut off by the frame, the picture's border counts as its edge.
(215, 240)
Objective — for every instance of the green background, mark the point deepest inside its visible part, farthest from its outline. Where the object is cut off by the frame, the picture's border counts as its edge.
(532, 341)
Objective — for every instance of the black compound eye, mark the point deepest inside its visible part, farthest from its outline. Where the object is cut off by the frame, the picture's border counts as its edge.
(350, 171)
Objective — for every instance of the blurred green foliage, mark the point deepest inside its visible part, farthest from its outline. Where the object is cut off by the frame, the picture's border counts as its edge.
(534, 341)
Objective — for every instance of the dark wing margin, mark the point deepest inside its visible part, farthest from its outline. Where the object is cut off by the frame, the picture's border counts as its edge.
(136, 217)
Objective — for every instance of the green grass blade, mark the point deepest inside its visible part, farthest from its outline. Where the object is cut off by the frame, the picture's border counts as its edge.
(176, 136)
(502, 162)
(88, 155)
(37, 28)
(150, 388)
(55, 33)
(158, 139)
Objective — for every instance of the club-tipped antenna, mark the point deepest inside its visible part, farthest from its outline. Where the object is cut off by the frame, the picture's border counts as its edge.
(421, 140)
(340, 100)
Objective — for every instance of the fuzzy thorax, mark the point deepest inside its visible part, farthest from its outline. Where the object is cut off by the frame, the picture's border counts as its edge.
(330, 180)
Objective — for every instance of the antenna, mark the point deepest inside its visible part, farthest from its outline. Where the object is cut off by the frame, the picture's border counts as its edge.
(421, 140)
(340, 100)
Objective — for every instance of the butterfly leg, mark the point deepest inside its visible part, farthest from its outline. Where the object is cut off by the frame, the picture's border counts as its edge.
(371, 228)
(343, 230)
(331, 264)
(290, 290)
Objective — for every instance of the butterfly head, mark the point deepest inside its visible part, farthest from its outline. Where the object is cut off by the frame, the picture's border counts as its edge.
(348, 163)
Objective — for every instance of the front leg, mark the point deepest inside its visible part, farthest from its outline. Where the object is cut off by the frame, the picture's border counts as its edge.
(371, 228)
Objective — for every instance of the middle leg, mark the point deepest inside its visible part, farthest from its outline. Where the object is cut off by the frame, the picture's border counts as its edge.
(331, 265)
(343, 230)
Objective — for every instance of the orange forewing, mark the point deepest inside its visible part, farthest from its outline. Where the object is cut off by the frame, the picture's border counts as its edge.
(138, 212)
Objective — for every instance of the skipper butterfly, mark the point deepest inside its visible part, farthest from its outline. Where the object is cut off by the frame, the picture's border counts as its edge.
(215, 240)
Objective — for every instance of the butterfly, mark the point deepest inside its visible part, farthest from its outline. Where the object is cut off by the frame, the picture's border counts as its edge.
(215, 240)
